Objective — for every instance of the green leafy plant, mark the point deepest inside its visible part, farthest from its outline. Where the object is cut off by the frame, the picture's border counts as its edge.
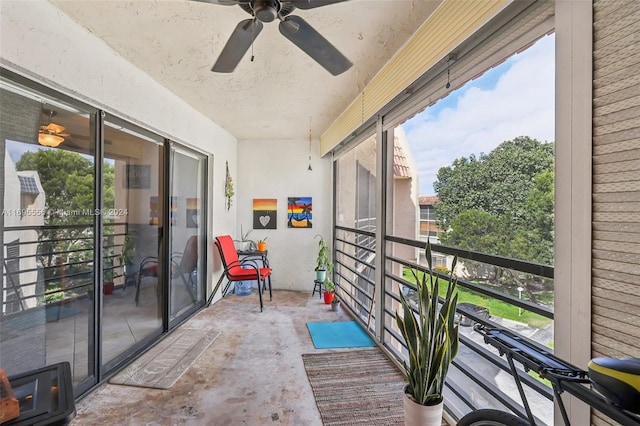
(431, 336)
(53, 294)
(323, 261)
(329, 286)
(262, 241)
(128, 250)
(244, 238)
(228, 188)
(108, 274)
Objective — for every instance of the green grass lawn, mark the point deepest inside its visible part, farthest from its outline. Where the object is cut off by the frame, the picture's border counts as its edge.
(496, 307)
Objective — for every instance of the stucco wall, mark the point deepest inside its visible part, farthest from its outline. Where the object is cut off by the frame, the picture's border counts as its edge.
(278, 169)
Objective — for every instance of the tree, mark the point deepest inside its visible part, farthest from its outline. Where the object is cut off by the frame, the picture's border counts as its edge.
(498, 183)
(501, 203)
(67, 179)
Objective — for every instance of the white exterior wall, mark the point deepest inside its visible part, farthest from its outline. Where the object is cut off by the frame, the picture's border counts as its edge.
(27, 253)
(278, 169)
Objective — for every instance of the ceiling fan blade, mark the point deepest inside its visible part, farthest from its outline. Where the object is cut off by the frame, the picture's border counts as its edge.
(310, 4)
(300, 33)
(237, 45)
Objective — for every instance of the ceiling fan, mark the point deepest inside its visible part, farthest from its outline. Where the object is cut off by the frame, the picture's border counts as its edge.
(296, 29)
(51, 134)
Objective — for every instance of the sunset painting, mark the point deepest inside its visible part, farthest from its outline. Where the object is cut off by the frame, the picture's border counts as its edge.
(299, 212)
(264, 213)
(193, 212)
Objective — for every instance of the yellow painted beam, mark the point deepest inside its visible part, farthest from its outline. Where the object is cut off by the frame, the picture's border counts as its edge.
(449, 25)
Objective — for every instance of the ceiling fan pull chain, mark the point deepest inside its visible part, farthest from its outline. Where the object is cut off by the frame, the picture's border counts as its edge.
(253, 36)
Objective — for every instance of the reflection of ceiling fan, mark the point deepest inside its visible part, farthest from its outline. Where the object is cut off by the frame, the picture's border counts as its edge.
(296, 29)
(51, 134)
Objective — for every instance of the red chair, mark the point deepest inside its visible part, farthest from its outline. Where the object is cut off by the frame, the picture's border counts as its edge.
(182, 265)
(234, 270)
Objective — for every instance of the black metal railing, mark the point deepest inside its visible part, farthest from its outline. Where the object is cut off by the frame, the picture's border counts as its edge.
(50, 263)
(474, 378)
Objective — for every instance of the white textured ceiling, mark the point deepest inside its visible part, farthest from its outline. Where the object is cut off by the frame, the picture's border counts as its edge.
(176, 42)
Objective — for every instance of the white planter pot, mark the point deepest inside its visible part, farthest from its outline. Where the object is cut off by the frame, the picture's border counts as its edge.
(321, 275)
(243, 245)
(421, 415)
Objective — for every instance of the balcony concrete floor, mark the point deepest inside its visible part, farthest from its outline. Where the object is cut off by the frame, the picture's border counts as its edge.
(252, 374)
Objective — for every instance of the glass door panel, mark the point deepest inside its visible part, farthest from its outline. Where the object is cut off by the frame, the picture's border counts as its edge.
(132, 219)
(46, 233)
(187, 225)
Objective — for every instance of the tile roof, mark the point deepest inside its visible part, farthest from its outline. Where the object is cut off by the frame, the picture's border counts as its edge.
(400, 165)
(428, 200)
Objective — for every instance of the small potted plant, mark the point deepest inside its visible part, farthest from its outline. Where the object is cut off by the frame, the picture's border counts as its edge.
(431, 336)
(329, 290)
(262, 244)
(127, 258)
(244, 243)
(107, 285)
(335, 302)
(324, 266)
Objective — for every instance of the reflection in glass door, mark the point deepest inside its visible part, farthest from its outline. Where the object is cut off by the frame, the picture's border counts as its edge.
(47, 167)
(131, 214)
(187, 225)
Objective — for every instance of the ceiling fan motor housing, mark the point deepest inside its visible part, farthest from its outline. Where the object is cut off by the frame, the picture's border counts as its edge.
(266, 10)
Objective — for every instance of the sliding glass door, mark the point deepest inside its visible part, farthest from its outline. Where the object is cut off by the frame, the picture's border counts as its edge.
(102, 234)
(131, 258)
(187, 230)
(47, 233)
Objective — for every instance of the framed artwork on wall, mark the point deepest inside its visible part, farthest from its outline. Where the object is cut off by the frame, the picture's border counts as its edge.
(193, 212)
(264, 213)
(153, 211)
(299, 212)
(173, 210)
(138, 176)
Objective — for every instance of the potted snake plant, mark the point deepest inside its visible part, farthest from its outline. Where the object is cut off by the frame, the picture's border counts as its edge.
(431, 336)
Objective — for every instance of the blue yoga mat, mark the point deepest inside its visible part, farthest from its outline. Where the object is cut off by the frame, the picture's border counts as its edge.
(349, 334)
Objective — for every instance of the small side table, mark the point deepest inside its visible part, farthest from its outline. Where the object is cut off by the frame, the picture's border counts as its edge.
(317, 286)
(45, 396)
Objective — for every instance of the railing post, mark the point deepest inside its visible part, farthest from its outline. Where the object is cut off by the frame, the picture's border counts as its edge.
(382, 190)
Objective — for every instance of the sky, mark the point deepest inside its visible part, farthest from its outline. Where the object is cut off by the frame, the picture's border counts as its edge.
(516, 98)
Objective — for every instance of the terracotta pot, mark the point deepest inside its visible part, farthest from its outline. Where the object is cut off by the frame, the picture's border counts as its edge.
(262, 246)
(328, 298)
(420, 415)
(107, 288)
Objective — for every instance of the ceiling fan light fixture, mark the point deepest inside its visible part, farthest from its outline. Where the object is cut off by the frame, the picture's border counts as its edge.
(50, 140)
(52, 134)
(54, 128)
(266, 10)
